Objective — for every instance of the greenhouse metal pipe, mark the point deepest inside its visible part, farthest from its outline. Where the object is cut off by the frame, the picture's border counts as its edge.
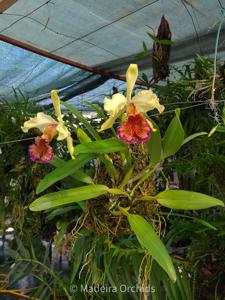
(61, 59)
(5, 4)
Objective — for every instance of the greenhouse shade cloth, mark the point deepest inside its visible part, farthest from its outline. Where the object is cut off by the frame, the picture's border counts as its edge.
(100, 35)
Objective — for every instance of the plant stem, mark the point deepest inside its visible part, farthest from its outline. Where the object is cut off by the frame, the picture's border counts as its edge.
(141, 180)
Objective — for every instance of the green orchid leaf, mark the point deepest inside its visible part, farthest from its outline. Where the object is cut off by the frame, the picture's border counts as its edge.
(78, 175)
(66, 170)
(126, 177)
(83, 120)
(78, 253)
(82, 136)
(154, 145)
(193, 136)
(152, 36)
(100, 147)
(213, 130)
(186, 200)
(149, 240)
(112, 171)
(205, 223)
(220, 129)
(159, 41)
(69, 196)
(174, 136)
(145, 78)
(141, 55)
(60, 235)
(145, 46)
(60, 211)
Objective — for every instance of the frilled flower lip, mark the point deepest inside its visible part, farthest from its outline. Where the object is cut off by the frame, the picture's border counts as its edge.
(134, 139)
(144, 100)
(135, 128)
(41, 151)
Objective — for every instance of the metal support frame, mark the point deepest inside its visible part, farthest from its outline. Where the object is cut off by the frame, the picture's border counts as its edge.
(61, 59)
(5, 4)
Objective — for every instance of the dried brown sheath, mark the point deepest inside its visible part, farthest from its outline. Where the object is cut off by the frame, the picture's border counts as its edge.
(161, 52)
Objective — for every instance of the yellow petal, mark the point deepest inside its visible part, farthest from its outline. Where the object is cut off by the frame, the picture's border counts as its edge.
(147, 100)
(108, 123)
(131, 77)
(41, 121)
(69, 141)
(63, 132)
(56, 103)
(116, 105)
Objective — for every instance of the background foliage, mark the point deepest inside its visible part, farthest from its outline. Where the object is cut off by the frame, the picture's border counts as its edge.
(194, 238)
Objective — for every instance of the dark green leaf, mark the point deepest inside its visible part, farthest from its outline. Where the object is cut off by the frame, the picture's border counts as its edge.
(112, 171)
(145, 78)
(206, 224)
(66, 170)
(78, 175)
(152, 36)
(160, 41)
(61, 211)
(145, 47)
(174, 136)
(77, 252)
(154, 145)
(141, 55)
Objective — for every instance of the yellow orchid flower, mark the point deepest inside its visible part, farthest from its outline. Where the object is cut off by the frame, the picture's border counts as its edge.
(143, 101)
(63, 132)
(48, 126)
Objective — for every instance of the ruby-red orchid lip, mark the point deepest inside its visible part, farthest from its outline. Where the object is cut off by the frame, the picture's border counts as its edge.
(41, 151)
(136, 128)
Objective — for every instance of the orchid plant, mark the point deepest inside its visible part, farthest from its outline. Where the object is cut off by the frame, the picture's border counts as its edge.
(123, 190)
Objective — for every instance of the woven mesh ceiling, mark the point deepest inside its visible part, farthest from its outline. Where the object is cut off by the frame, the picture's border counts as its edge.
(35, 76)
(102, 34)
